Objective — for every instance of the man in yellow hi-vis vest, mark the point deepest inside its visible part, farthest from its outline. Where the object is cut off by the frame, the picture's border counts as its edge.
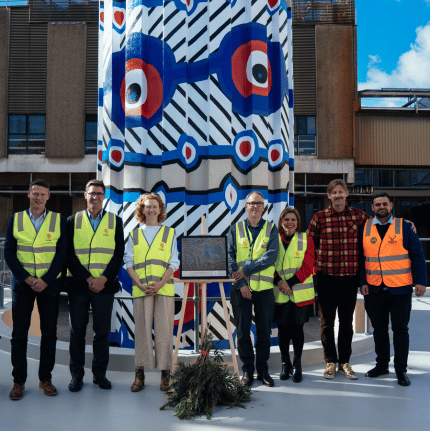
(95, 253)
(252, 252)
(35, 250)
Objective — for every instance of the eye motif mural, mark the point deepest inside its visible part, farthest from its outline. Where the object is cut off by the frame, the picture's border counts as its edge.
(196, 104)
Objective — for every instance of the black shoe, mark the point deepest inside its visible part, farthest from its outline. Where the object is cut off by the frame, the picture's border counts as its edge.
(297, 371)
(403, 379)
(103, 382)
(286, 368)
(75, 385)
(376, 372)
(247, 379)
(266, 379)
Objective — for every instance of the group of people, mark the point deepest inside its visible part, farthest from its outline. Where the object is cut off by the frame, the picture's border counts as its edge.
(83, 255)
(272, 268)
(381, 255)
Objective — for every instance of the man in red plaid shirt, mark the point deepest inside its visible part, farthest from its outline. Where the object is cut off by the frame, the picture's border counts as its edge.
(335, 233)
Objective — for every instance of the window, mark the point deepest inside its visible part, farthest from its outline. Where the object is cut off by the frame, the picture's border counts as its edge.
(305, 135)
(26, 134)
(90, 134)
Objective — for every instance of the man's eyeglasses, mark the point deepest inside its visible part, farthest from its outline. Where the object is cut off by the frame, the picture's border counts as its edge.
(95, 194)
(255, 204)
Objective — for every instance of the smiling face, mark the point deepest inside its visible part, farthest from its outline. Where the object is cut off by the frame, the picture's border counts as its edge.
(255, 207)
(151, 210)
(94, 197)
(38, 196)
(338, 197)
(382, 207)
(289, 224)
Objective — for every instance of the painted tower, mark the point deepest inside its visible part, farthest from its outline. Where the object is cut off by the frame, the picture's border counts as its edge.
(196, 104)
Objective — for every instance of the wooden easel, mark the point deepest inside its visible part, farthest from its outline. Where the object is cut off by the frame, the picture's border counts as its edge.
(203, 283)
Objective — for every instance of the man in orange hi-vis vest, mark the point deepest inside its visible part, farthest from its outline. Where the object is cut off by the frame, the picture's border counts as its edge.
(393, 263)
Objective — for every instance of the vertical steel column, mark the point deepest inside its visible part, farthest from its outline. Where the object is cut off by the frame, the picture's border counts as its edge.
(2, 279)
(196, 300)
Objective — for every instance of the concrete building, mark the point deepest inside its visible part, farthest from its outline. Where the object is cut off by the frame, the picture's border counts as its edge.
(48, 113)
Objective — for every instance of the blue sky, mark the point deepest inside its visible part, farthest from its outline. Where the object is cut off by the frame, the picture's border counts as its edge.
(393, 44)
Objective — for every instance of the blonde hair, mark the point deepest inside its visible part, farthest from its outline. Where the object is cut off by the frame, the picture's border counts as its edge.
(140, 204)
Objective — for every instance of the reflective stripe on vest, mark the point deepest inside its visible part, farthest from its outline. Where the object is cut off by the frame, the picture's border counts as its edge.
(36, 251)
(262, 280)
(151, 262)
(288, 263)
(386, 261)
(94, 249)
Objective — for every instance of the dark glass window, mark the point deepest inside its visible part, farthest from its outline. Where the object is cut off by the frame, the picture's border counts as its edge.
(26, 134)
(305, 142)
(91, 134)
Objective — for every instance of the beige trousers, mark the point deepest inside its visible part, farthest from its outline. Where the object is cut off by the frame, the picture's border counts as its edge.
(160, 310)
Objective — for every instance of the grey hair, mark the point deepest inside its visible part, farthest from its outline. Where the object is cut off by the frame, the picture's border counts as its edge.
(253, 193)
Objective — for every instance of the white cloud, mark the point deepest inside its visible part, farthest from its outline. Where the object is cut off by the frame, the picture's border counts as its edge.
(412, 70)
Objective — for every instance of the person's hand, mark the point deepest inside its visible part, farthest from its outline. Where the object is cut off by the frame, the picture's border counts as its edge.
(364, 289)
(285, 288)
(98, 284)
(30, 280)
(238, 275)
(153, 288)
(246, 293)
(412, 226)
(38, 285)
(420, 290)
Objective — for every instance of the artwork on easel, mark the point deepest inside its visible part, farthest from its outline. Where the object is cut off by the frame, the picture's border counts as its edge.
(203, 257)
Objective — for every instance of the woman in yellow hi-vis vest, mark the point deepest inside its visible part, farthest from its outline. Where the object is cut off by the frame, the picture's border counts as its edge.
(151, 258)
(294, 290)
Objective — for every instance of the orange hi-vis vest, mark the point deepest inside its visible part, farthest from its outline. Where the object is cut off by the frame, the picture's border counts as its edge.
(386, 261)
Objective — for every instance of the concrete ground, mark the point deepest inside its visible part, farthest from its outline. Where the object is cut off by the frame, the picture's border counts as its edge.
(314, 404)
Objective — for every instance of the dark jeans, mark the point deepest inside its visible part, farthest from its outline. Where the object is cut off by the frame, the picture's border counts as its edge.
(101, 305)
(379, 306)
(264, 307)
(22, 307)
(289, 332)
(337, 293)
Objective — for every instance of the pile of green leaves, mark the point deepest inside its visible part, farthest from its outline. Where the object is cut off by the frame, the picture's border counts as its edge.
(195, 389)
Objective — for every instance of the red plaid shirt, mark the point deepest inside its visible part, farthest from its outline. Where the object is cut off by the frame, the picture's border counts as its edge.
(335, 236)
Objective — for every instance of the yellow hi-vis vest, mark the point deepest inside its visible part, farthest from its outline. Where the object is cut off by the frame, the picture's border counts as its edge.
(151, 261)
(288, 263)
(262, 280)
(94, 249)
(36, 251)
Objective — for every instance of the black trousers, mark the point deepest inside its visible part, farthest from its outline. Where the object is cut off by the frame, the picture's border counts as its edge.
(289, 332)
(101, 305)
(380, 307)
(22, 307)
(264, 307)
(337, 293)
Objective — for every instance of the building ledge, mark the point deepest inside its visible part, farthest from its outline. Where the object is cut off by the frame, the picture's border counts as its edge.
(40, 163)
(313, 165)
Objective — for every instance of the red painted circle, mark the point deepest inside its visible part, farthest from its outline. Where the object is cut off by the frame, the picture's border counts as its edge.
(272, 3)
(274, 155)
(188, 152)
(100, 155)
(116, 156)
(245, 148)
(102, 16)
(119, 17)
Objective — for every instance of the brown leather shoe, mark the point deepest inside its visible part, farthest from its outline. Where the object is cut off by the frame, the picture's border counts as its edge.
(139, 381)
(48, 388)
(17, 391)
(164, 385)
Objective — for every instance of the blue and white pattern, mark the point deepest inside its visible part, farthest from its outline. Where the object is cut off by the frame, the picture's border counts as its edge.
(195, 103)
